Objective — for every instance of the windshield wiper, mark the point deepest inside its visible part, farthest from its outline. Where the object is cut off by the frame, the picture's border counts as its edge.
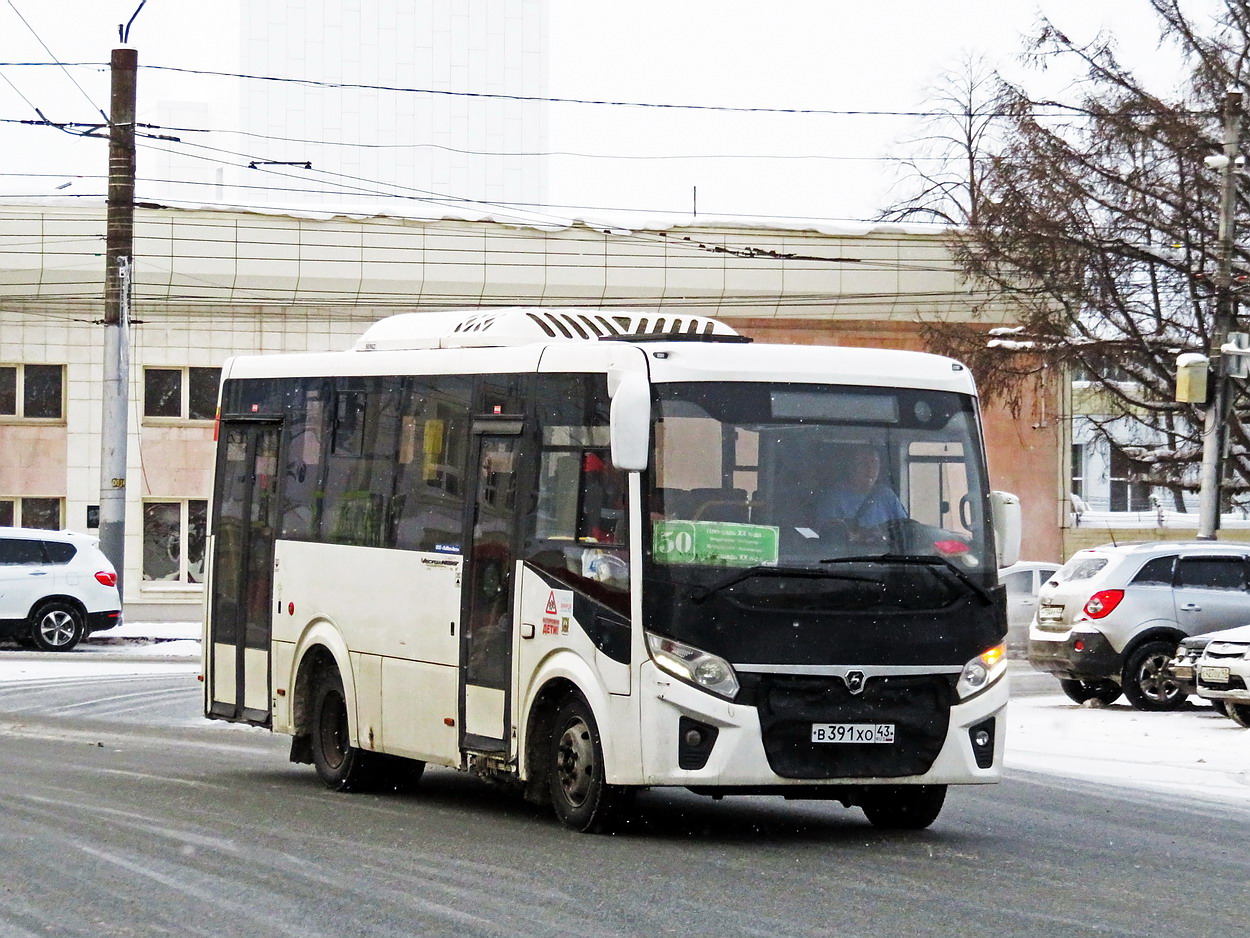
(924, 560)
(701, 593)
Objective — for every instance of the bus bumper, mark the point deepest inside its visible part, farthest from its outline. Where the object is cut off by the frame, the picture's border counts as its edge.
(692, 738)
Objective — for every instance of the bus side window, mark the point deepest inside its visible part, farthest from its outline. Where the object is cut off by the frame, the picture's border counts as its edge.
(579, 531)
(428, 508)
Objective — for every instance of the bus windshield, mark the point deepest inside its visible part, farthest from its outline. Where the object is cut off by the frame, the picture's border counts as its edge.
(813, 498)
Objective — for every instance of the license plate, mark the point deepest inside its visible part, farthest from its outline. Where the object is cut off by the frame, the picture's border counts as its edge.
(1048, 613)
(1215, 675)
(853, 733)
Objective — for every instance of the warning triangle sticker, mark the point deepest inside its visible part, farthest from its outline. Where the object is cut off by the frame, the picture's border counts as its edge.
(551, 604)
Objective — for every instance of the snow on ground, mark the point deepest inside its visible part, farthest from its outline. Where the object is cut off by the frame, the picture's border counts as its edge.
(1194, 752)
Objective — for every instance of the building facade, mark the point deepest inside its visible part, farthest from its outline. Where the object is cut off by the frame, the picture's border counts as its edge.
(211, 284)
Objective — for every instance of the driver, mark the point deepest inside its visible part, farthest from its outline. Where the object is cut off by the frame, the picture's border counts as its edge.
(861, 499)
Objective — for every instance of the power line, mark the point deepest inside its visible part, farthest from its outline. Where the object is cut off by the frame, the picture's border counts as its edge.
(55, 61)
(1061, 109)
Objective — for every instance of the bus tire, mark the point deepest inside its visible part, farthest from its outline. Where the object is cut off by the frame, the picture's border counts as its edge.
(903, 807)
(342, 766)
(582, 800)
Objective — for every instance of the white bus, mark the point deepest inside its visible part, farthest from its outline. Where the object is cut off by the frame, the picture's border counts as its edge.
(593, 552)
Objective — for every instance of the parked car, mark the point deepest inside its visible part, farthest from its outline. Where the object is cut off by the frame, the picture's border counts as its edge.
(55, 588)
(1022, 581)
(1110, 620)
(1223, 672)
(1183, 667)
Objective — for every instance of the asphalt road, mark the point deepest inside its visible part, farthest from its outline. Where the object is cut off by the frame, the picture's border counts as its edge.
(123, 813)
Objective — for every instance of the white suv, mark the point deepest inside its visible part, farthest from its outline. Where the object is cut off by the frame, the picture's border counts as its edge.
(55, 587)
(1109, 621)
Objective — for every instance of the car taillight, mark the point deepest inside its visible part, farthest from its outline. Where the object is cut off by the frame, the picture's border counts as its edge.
(951, 547)
(106, 578)
(1102, 602)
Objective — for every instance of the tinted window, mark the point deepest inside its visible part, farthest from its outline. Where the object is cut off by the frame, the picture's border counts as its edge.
(20, 551)
(162, 392)
(202, 393)
(578, 534)
(43, 513)
(59, 551)
(428, 508)
(8, 390)
(1157, 572)
(42, 391)
(1214, 573)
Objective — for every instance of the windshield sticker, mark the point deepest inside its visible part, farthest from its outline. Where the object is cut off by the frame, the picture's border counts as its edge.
(715, 543)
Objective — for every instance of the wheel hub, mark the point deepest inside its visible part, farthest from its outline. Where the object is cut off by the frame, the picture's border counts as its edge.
(575, 762)
(57, 628)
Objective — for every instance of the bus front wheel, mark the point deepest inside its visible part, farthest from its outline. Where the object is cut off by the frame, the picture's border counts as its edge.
(342, 766)
(582, 799)
(903, 807)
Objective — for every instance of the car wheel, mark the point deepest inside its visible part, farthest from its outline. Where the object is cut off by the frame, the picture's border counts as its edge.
(1240, 713)
(1080, 691)
(1220, 707)
(342, 766)
(580, 795)
(903, 807)
(56, 626)
(1147, 680)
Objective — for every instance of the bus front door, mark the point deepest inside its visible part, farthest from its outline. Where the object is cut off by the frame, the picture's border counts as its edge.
(486, 653)
(242, 574)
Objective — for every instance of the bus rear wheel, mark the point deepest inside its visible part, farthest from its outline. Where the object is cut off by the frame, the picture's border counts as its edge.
(342, 766)
(582, 799)
(903, 807)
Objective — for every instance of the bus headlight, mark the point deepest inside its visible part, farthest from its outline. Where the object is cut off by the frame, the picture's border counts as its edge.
(982, 671)
(710, 672)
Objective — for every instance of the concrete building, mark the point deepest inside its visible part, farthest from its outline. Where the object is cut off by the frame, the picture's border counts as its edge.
(214, 283)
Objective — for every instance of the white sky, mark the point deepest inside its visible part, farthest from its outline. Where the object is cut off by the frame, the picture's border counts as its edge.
(823, 54)
(1193, 753)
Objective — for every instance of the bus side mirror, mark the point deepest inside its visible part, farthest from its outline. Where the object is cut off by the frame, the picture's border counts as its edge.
(631, 421)
(1005, 511)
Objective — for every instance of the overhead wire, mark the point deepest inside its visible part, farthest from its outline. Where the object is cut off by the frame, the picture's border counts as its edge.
(55, 61)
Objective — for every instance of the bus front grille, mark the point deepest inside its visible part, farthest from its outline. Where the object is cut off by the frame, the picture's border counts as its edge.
(916, 708)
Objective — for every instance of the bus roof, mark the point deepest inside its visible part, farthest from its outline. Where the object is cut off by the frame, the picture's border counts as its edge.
(676, 348)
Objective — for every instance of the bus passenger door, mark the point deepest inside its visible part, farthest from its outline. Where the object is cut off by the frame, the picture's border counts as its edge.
(240, 626)
(486, 652)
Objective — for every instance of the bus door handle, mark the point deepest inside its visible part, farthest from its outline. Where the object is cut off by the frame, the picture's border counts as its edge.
(527, 629)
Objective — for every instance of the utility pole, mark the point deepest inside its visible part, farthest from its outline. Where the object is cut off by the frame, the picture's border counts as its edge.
(119, 265)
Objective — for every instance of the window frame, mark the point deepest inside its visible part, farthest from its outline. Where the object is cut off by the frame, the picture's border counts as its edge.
(19, 510)
(183, 416)
(19, 403)
(182, 581)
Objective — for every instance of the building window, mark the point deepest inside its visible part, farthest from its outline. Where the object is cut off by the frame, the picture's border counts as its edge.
(181, 393)
(1128, 492)
(43, 513)
(1078, 470)
(32, 392)
(173, 540)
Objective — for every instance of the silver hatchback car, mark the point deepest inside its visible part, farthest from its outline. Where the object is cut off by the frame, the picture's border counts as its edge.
(55, 588)
(1109, 621)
